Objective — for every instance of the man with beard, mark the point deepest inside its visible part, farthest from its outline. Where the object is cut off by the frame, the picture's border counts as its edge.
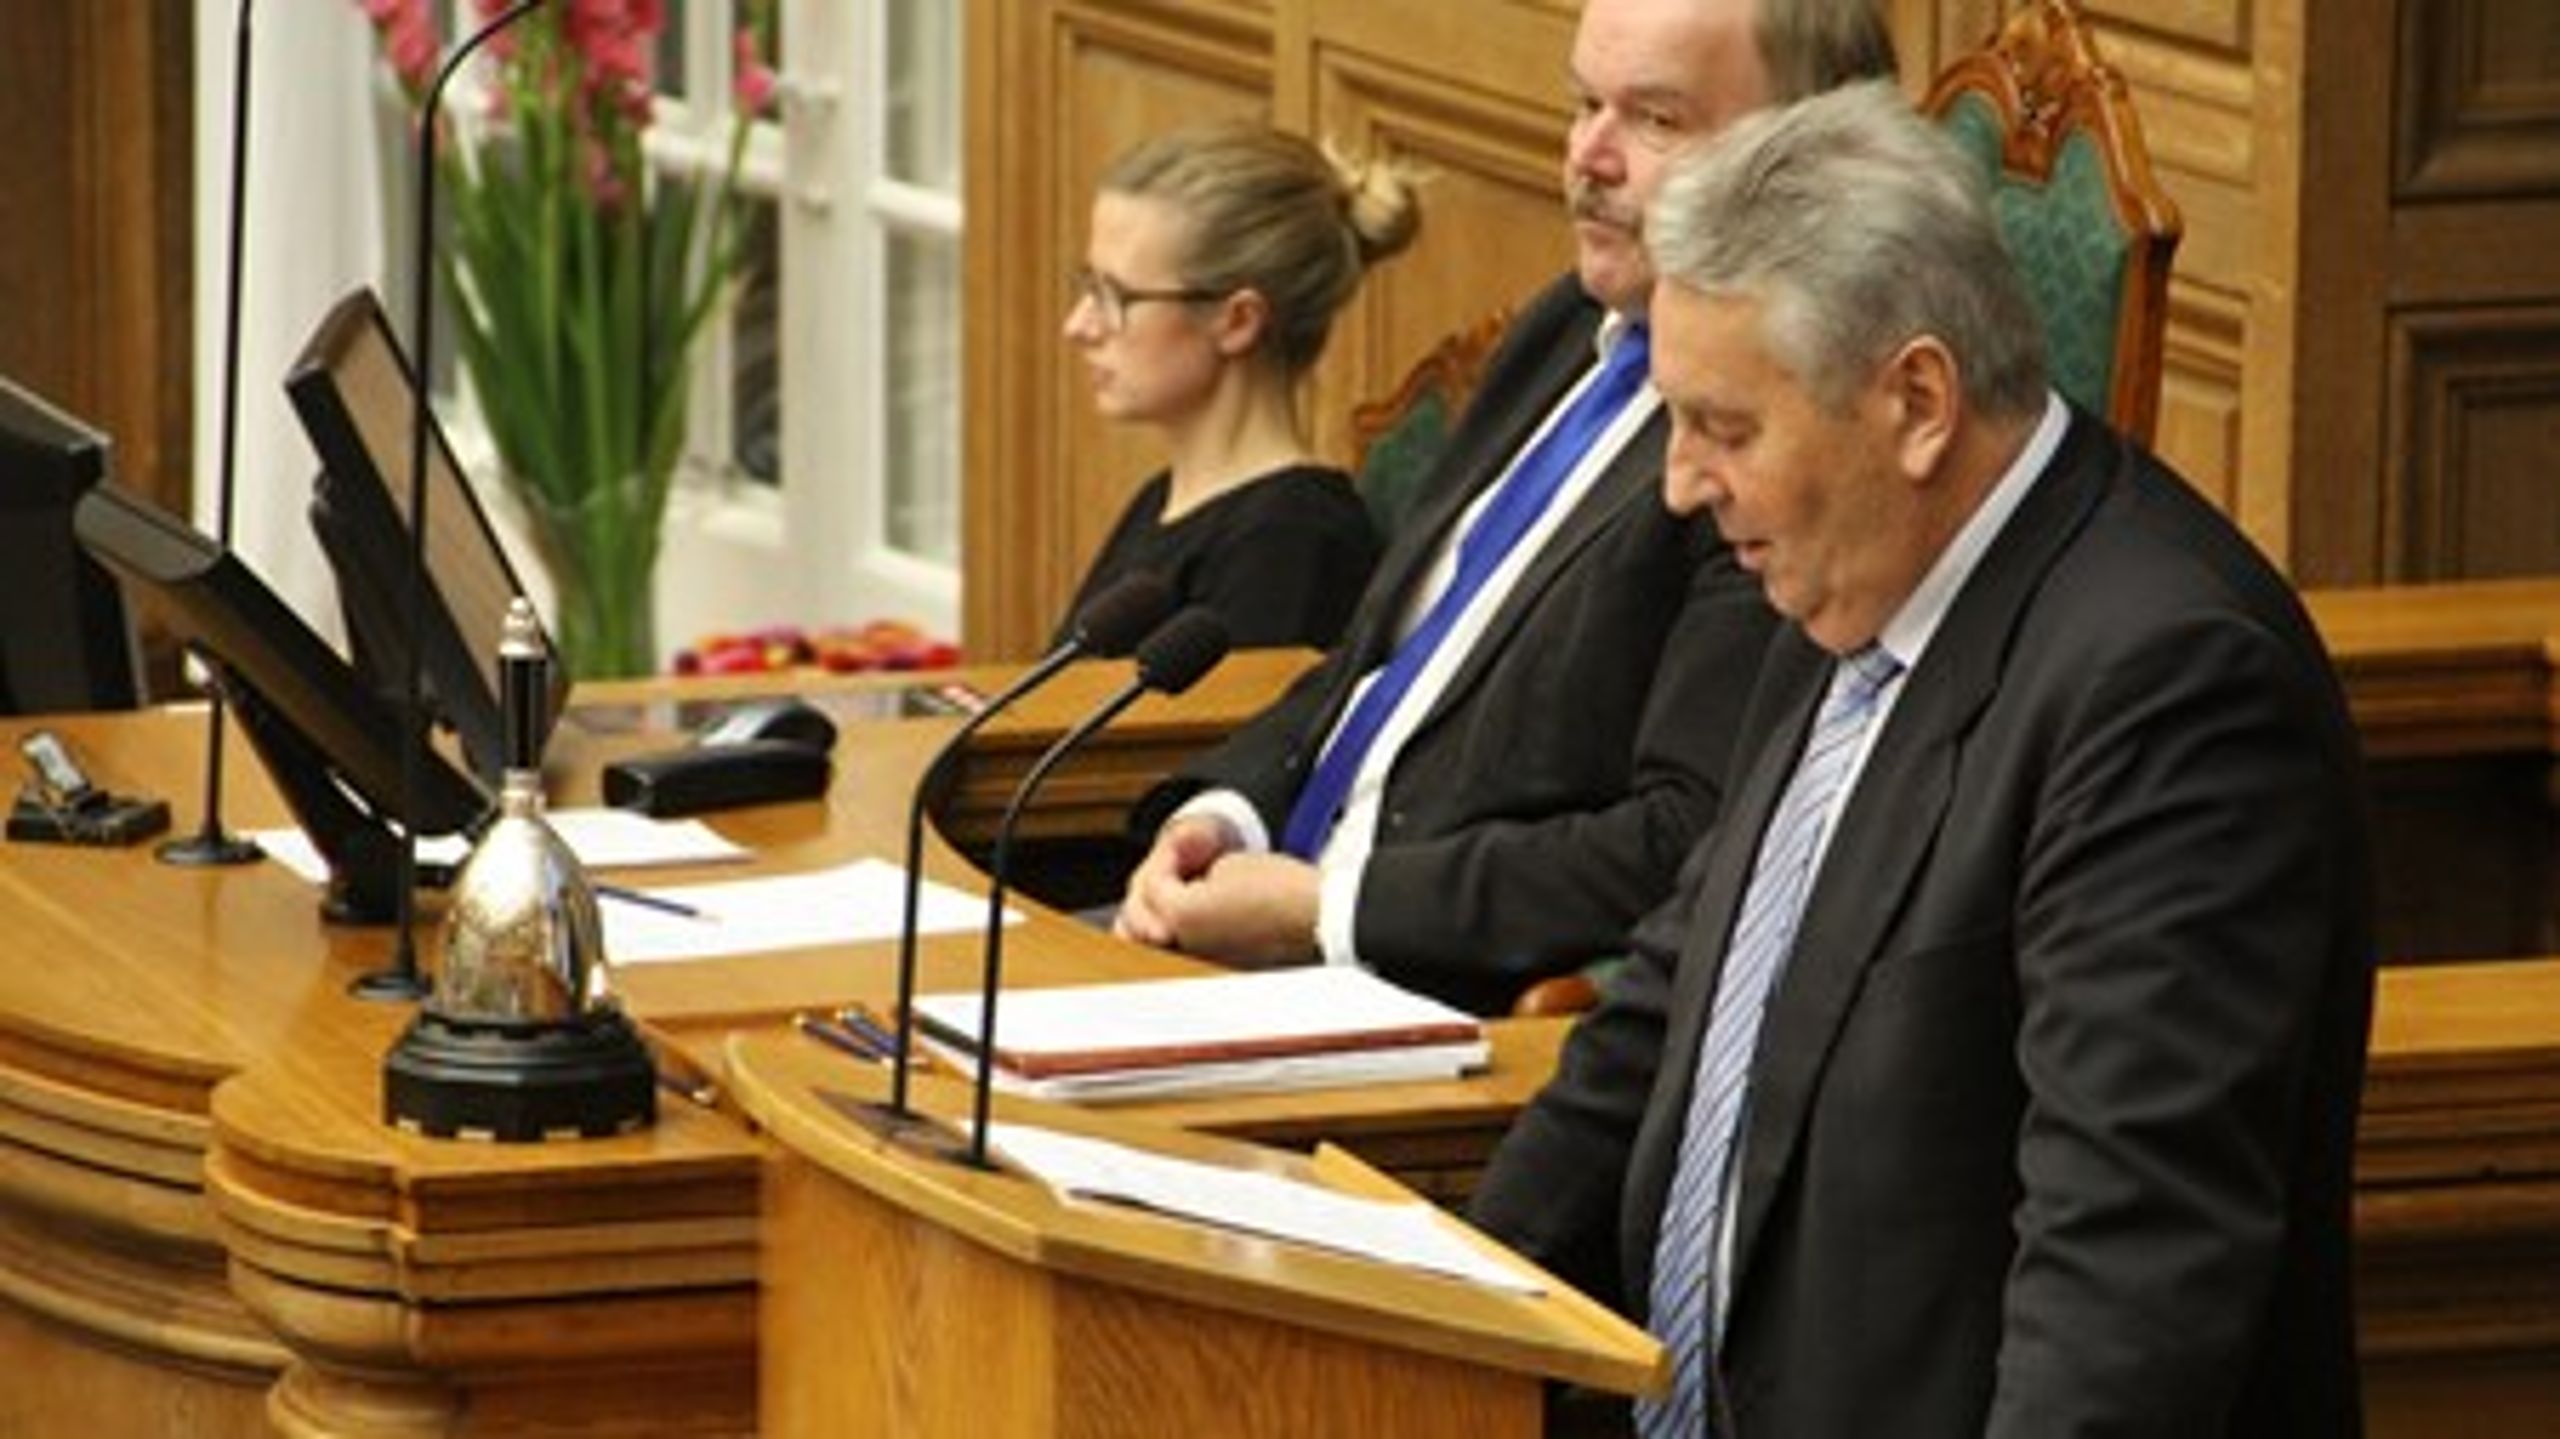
(1501, 765)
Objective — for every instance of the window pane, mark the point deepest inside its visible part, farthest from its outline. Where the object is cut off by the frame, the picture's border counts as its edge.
(923, 480)
(924, 89)
(671, 77)
(755, 328)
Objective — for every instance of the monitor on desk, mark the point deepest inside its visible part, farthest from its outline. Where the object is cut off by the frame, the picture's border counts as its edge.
(331, 746)
(351, 386)
(65, 643)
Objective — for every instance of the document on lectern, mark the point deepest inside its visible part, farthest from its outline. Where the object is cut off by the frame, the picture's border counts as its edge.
(1408, 1232)
(768, 913)
(1228, 1033)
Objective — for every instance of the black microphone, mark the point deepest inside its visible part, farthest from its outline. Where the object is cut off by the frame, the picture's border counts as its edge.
(402, 980)
(211, 844)
(1170, 660)
(1107, 628)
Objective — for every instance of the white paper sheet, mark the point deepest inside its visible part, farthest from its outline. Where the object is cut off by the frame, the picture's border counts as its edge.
(864, 900)
(1403, 1232)
(600, 838)
(1263, 1012)
(1346, 1069)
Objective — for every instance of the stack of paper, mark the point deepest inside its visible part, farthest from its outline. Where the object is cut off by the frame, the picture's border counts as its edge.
(1274, 1029)
(1407, 1231)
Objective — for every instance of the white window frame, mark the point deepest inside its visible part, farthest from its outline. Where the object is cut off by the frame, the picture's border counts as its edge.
(836, 309)
(737, 553)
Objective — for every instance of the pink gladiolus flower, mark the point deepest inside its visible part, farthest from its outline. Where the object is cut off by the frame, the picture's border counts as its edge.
(590, 328)
(408, 29)
(754, 81)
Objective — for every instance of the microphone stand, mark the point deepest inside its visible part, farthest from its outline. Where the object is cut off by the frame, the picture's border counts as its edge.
(929, 787)
(1103, 630)
(1172, 660)
(402, 980)
(211, 845)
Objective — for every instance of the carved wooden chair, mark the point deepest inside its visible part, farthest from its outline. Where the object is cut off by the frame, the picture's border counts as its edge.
(2053, 126)
(1396, 440)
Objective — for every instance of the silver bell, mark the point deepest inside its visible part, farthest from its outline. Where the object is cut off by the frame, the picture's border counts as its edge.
(519, 1038)
(522, 939)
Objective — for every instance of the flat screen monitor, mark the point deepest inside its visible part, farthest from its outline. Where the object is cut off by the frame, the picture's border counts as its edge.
(330, 744)
(351, 388)
(65, 640)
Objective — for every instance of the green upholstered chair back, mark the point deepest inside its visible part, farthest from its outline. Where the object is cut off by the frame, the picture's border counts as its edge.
(2054, 129)
(1399, 438)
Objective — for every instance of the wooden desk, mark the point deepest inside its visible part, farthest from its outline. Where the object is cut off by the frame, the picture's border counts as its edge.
(2456, 691)
(202, 1216)
(205, 1228)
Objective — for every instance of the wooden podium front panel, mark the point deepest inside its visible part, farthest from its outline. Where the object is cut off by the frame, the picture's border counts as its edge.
(49, 1372)
(877, 1321)
(1141, 1365)
(859, 1322)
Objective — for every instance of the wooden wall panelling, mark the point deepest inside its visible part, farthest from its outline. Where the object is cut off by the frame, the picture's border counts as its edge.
(94, 269)
(2435, 163)
(2478, 113)
(2471, 373)
(2341, 233)
(2191, 70)
(1493, 225)
(2474, 435)
(96, 185)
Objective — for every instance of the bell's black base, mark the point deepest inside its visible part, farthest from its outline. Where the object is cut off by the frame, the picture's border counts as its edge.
(517, 1083)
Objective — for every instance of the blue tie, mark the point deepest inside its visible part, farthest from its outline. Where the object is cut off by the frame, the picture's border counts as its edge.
(1513, 509)
(1781, 877)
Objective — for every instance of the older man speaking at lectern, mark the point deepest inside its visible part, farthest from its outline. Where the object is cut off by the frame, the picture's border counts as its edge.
(1996, 1073)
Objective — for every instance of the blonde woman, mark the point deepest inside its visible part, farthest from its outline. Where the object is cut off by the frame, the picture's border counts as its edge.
(1216, 261)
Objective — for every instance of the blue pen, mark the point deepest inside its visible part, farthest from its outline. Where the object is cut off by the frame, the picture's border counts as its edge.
(836, 1037)
(878, 1035)
(646, 900)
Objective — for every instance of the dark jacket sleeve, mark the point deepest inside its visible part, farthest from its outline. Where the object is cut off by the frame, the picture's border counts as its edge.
(1480, 909)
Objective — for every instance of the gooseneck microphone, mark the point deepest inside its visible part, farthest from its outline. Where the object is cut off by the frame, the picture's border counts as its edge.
(1107, 628)
(401, 980)
(1170, 661)
(211, 844)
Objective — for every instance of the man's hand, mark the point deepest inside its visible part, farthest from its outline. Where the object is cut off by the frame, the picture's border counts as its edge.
(1184, 850)
(1254, 911)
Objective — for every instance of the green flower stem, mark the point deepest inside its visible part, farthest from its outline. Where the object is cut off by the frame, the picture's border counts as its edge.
(582, 287)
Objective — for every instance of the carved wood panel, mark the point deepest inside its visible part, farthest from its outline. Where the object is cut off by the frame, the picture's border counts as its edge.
(1492, 221)
(2478, 111)
(2475, 421)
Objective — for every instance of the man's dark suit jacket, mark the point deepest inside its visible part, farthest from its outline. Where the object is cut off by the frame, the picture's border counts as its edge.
(2051, 1118)
(1545, 801)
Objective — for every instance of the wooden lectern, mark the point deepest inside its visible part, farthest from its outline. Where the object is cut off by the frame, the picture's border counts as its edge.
(905, 1293)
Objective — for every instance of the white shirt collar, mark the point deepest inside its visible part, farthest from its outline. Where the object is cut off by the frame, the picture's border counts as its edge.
(1907, 634)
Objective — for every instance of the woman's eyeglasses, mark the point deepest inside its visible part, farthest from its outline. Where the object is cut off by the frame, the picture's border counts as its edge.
(1111, 299)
